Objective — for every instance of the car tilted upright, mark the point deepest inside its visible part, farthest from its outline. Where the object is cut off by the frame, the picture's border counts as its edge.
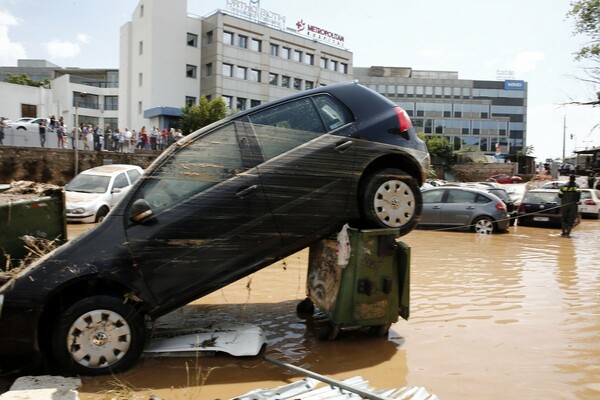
(216, 206)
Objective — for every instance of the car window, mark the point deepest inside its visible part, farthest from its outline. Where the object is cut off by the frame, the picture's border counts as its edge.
(334, 114)
(121, 181)
(433, 196)
(500, 193)
(586, 195)
(286, 126)
(541, 198)
(460, 196)
(133, 175)
(196, 166)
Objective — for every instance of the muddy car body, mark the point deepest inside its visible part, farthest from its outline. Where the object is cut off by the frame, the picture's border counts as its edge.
(222, 203)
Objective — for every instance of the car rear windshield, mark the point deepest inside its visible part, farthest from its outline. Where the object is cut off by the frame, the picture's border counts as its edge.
(541, 198)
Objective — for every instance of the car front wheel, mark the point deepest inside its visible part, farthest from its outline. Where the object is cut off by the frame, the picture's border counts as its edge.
(98, 335)
(101, 214)
(483, 225)
(391, 199)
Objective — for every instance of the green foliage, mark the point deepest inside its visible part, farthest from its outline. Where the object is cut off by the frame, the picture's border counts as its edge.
(526, 151)
(24, 79)
(438, 146)
(204, 113)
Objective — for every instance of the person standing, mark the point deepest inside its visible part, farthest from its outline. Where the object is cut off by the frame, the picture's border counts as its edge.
(570, 196)
(2, 126)
(42, 130)
(127, 141)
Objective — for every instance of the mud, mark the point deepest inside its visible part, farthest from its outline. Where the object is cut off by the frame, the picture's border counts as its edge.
(507, 316)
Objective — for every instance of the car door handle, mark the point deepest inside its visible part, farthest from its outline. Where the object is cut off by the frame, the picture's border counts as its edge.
(436, 207)
(245, 190)
(343, 146)
(470, 208)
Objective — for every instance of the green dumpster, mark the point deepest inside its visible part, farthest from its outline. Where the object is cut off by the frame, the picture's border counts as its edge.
(41, 217)
(370, 289)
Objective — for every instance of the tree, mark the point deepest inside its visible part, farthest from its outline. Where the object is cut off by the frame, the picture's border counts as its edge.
(194, 117)
(438, 146)
(586, 14)
(24, 79)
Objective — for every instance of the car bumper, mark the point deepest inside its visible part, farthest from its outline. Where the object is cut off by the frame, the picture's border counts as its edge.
(551, 221)
(81, 218)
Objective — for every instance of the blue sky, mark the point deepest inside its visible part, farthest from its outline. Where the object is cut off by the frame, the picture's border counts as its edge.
(476, 38)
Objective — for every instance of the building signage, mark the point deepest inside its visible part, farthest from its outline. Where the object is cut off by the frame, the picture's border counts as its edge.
(320, 34)
(251, 11)
(514, 85)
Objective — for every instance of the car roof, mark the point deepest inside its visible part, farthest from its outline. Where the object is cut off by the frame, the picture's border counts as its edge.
(543, 191)
(110, 169)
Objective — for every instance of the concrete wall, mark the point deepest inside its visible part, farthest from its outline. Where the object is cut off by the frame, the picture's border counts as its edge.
(478, 172)
(57, 166)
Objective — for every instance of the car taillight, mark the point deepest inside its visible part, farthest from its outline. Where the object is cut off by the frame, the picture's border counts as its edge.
(501, 207)
(589, 202)
(404, 119)
(521, 208)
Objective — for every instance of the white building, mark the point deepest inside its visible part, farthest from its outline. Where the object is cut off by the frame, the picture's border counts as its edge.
(169, 58)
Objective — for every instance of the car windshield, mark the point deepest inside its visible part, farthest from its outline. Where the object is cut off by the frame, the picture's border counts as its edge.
(500, 193)
(87, 183)
(541, 197)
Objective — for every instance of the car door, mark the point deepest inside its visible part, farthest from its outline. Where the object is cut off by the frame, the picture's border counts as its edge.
(432, 206)
(118, 189)
(307, 170)
(210, 223)
(459, 207)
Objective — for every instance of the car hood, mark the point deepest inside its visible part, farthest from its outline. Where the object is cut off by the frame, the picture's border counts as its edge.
(78, 197)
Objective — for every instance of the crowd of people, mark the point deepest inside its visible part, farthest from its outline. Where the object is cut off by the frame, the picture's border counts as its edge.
(89, 137)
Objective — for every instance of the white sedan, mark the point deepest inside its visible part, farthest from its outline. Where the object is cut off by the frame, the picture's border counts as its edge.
(590, 203)
(28, 124)
(94, 192)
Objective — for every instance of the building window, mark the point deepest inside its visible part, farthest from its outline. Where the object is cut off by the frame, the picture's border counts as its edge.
(297, 83)
(274, 50)
(241, 103)
(333, 65)
(111, 103)
(323, 63)
(273, 78)
(297, 55)
(255, 75)
(240, 72)
(227, 37)
(256, 45)
(141, 47)
(191, 71)
(192, 39)
(344, 68)
(242, 41)
(285, 52)
(309, 58)
(227, 70)
(285, 81)
(190, 101)
(228, 101)
(209, 69)
(142, 11)
(139, 107)
(254, 103)
(140, 79)
(209, 37)
(309, 85)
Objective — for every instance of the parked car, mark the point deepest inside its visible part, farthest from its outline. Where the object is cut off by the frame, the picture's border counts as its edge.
(465, 208)
(503, 178)
(554, 184)
(32, 125)
(541, 207)
(590, 203)
(94, 192)
(218, 205)
(19, 120)
(493, 188)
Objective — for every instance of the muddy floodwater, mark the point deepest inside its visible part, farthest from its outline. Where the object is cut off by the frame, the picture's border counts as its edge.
(504, 316)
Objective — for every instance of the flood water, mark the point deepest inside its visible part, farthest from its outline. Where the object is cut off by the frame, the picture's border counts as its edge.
(504, 316)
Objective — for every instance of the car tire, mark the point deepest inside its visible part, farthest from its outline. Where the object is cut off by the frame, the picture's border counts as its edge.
(391, 199)
(98, 335)
(101, 214)
(484, 225)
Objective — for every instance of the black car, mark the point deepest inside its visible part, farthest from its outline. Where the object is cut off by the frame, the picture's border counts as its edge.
(218, 205)
(541, 207)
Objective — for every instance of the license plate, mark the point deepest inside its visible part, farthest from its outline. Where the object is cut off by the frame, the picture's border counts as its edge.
(541, 219)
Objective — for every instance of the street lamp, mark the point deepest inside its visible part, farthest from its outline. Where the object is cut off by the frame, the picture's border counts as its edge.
(76, 130)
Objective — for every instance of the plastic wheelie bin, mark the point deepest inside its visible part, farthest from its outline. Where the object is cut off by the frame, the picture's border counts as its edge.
(370, 288)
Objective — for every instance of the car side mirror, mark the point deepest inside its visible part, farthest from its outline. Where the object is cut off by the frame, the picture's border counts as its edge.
(140, 210)
(116, 190)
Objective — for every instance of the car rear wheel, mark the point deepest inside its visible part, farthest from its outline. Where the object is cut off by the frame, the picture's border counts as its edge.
(101, 214)
(484, 225)
(98, 335)
(391, 199)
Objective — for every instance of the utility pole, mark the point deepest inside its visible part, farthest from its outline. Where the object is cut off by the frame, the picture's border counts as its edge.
(564, 136)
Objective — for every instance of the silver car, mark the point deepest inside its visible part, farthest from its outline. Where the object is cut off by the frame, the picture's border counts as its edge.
(464, 208)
